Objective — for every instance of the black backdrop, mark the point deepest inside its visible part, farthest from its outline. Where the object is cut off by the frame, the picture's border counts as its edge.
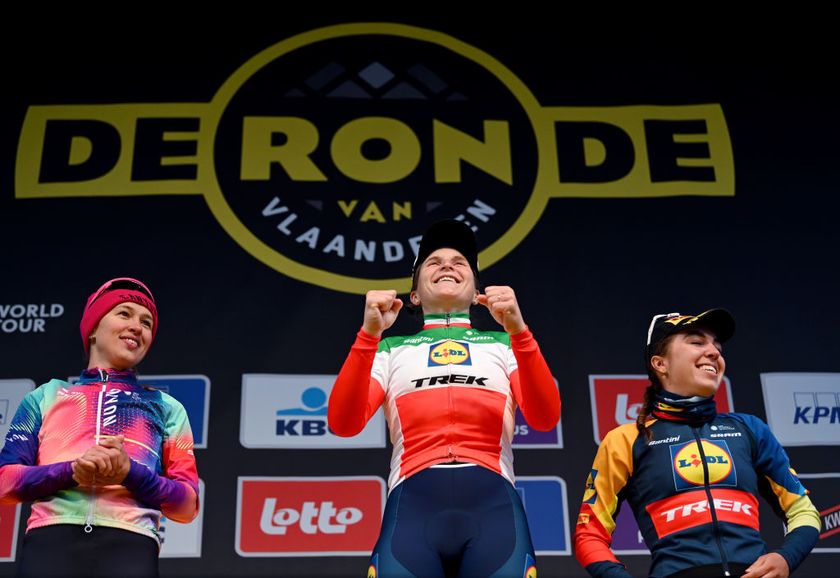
(588, 276)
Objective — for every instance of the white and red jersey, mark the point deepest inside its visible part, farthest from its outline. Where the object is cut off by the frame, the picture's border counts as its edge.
(450, 394)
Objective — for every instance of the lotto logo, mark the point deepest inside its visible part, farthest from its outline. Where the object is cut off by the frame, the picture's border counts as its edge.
(309, 516)
(310, 519)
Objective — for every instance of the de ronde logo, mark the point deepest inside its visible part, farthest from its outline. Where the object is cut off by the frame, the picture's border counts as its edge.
(326, 155)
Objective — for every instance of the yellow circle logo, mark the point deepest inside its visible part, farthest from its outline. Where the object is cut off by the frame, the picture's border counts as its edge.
(352, 139)
(688, 463)
(450, 353)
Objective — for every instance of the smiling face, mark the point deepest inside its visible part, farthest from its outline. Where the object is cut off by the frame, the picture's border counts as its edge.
(122, 337)
(692, 364)
(445, 283)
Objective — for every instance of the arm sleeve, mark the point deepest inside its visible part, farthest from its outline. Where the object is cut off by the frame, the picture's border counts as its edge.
(533, 385)
(596, 521)
(789, 497)
(21, 479)
(175, 491)
(356, 395)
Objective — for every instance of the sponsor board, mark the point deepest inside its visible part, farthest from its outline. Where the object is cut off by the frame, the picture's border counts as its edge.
(12, 392)
(824, 491)
(803, 409)
(343, 143)
(617, 399)
(290, 411)
(546, 506)
(183, 540)
(315, 516)
(9, 524)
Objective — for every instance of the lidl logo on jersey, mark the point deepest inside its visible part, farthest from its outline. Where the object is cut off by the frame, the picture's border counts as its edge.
(803, 408)
(617, 400)
(450, 353)
(183, 540)
(824, 491)
(689, 471)
(308, 516)
(193, 391)
(546, 508)
(290, 411)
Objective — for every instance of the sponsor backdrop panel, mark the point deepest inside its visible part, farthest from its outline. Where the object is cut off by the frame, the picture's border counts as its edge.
(260, 174)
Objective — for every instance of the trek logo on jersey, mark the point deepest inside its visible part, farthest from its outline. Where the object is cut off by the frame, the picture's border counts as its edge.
(309, 516)
(691, 509)
(687, 462)
(450, 353)
(618, 399)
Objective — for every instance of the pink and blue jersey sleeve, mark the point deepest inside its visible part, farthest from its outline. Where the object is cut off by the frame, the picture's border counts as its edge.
(22, 478)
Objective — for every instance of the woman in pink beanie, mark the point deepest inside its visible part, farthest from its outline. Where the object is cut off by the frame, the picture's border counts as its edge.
(103, 458)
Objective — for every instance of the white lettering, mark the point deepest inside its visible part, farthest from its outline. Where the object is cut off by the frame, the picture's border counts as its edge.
(623, 412)
(393, 251)
(703, 505)
(336, 245)
(366, 251)
(310, 237)
(311, 518)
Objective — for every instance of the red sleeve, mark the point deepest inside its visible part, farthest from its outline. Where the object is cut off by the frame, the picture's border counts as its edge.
(533, 385)
(356, 395)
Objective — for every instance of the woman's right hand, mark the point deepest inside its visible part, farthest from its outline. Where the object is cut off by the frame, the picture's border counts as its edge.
(381, 309)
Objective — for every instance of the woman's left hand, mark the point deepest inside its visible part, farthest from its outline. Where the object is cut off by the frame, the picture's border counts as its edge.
(501, 301)
(772, 565)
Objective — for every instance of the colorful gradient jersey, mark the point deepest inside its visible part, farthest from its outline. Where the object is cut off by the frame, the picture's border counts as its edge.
(693, 491)
(57, 422)
(450, 393)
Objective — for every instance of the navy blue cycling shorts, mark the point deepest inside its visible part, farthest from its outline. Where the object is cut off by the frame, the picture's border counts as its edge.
(454, 521)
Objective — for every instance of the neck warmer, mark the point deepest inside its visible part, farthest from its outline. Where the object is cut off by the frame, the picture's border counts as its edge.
(674, 407)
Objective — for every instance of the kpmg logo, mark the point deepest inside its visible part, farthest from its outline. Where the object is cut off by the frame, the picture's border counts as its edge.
(290, 411)
(326, 155)
(813, 407)
(803, 408)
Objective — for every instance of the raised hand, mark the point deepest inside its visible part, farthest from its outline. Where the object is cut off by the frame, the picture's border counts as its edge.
(381, 309)
(501, 301)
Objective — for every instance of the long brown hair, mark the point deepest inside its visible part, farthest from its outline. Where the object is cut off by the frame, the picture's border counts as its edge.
(661, 348)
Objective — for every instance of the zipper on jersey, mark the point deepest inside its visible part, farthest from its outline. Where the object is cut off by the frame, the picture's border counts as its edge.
(103, 375)
(449, 449)
(708, 489)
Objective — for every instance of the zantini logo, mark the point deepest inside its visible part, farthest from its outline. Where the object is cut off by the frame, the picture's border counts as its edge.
(326, 155)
